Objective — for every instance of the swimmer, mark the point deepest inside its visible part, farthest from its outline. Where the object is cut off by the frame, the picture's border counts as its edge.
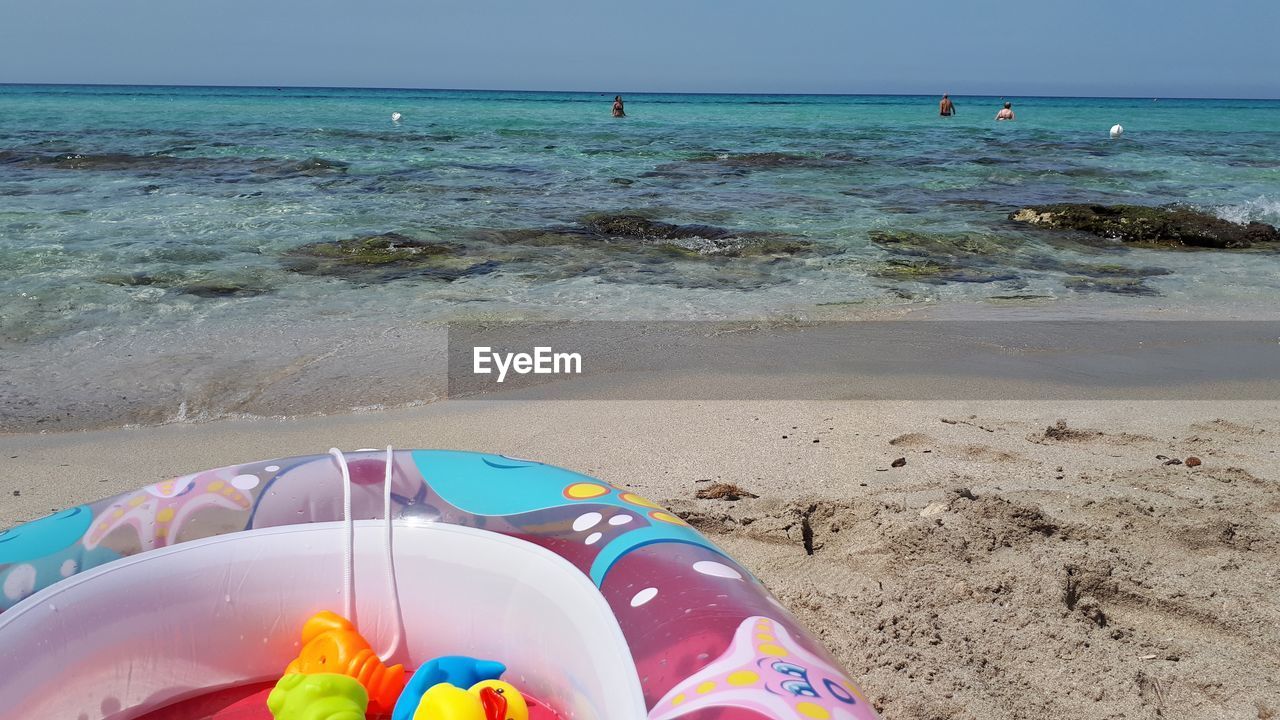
(946, 108)
(617, 107)
(1006, 113)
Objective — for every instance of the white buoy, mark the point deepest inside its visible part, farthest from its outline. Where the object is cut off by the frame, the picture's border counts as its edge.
(1116, 131)
(395, 117)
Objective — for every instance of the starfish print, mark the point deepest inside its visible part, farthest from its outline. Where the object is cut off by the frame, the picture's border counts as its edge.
(158, 511)
(766, 671)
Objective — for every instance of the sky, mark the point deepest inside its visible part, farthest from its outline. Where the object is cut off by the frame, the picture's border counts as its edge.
(1136, 48)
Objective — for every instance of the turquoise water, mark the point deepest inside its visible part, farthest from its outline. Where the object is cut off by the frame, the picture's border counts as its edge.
(125, 210)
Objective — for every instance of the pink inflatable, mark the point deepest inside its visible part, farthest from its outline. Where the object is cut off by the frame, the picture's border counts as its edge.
(600, 602)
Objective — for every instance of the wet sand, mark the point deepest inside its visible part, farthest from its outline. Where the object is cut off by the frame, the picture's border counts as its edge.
(1013, 567)
(213, 371)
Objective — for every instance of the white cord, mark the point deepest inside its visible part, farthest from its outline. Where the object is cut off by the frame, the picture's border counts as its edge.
(348, 531)
(391, 567)
(348, 559)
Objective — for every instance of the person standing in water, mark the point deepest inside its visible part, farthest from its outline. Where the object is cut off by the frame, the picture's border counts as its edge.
(946, 108)
(617, 107)
(1006, 113)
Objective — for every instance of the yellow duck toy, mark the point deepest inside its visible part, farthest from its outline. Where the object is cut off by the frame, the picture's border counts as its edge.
(486, 700)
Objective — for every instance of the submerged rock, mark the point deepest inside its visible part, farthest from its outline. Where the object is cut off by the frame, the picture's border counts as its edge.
(1167, 226)
(700, 239)
(634, 232)
(743, 163)
(309, 167)
(223, 288)
(112, 161)
(939, 258)
(933, 245)
(199, 284)
(762, 160)
(383, 257)
(1114, 285)
(936, 273)
(1102, 271)
(637, 227)
(162, 279)
(635, 249)
(104, 161)
(161, 162)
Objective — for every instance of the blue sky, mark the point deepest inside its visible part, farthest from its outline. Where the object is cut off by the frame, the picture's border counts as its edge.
(997, 47)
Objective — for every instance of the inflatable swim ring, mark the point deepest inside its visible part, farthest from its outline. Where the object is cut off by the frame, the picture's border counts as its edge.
(601, 603)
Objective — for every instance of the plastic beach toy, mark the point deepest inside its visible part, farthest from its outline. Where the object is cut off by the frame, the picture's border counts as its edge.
(330, 644)
(457, 670)
(487, 700)
(323, 696)
(515, 706)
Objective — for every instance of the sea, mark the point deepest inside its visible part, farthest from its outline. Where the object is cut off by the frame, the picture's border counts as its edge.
(183, 226)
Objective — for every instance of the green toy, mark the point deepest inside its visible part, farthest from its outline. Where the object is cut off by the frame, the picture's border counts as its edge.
(321, 696)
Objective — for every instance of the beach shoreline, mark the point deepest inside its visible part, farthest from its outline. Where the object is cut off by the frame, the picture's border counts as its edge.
(1081, 574)
(325, 367)
(179, 210)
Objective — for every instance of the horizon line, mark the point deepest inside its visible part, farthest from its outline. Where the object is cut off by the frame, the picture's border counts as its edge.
(626, 92)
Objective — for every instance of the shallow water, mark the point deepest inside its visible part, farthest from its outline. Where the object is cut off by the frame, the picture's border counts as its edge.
(161, 227)
(183, 200)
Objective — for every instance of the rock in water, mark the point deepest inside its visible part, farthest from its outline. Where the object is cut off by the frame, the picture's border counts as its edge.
(630, 231)
(378, 258)
(1168, 226)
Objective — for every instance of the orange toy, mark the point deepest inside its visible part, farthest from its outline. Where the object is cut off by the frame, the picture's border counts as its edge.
(330, 644)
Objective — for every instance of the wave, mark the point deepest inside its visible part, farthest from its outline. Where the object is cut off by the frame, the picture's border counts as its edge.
(1260, 209)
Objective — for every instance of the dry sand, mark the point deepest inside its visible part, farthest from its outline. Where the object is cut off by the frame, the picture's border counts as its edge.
(1014, 567)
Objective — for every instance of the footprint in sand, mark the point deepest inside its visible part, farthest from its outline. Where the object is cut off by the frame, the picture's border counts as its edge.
(972, 452)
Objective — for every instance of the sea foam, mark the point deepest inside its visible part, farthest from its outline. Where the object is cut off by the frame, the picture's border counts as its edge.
(1260, 209)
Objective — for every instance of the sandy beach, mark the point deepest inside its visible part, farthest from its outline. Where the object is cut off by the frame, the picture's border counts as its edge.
(1029, 559)
(969, 354)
